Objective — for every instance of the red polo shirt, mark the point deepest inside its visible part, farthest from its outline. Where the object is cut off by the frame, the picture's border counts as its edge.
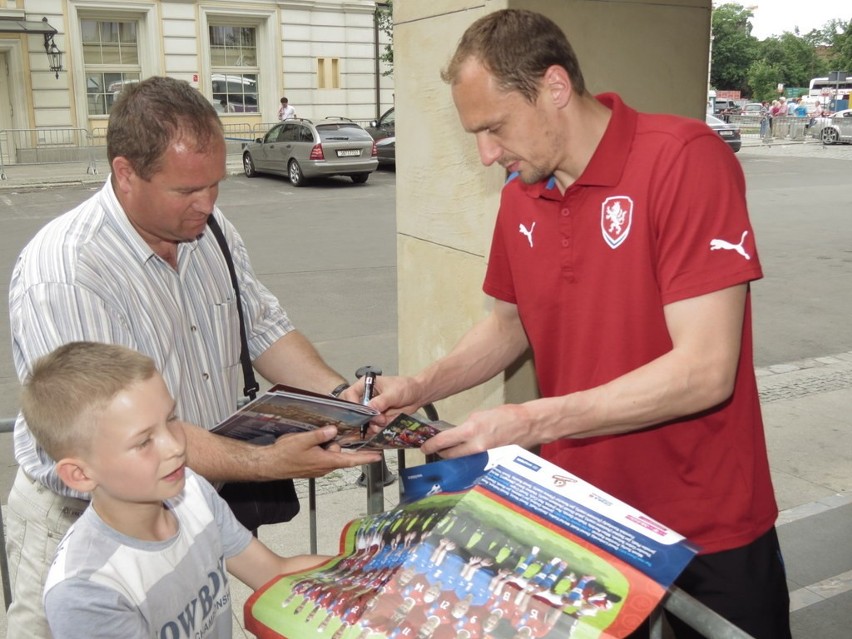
(658, 215)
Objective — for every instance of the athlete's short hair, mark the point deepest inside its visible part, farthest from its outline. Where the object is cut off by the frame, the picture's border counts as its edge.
(516, 47)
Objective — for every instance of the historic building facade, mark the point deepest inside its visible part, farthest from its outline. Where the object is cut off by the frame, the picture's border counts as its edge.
(243, 55)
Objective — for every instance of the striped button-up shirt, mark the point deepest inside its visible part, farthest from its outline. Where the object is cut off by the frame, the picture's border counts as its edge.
(88, 275)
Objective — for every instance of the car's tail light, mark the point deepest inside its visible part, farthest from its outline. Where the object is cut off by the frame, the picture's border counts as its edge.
(375, 151)
(316, 152)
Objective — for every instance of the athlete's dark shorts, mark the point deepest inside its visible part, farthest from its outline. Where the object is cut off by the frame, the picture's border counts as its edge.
(746, 585)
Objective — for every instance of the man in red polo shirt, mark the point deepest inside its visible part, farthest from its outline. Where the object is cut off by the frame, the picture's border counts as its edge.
(622, 255)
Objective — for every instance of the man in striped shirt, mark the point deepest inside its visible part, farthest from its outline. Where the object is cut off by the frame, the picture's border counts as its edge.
(134, 265)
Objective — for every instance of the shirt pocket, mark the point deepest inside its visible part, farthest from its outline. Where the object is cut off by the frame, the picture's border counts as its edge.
(225, 333)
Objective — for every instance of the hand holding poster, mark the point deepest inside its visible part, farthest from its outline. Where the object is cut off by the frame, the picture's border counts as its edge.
(284, 410)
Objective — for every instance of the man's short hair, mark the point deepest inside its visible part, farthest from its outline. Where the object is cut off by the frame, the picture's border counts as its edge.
(68, 386)
(516, 47)
(148, 116)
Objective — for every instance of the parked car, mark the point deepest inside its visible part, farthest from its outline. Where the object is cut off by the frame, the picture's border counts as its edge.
(730, 133)
(835, 129)
(386, 148)
(724, 106)
(301, 149)
(384, 126)
(752, 109)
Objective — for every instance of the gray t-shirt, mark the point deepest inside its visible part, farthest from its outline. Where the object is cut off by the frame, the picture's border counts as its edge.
(105, 584)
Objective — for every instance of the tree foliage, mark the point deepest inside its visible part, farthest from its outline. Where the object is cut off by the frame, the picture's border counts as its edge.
(756, 67)
(761, 78)
(384, 20)
(841, 47)
(794, 60)
(734, 48)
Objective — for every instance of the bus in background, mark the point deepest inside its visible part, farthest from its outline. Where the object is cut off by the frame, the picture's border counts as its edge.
(833, 91)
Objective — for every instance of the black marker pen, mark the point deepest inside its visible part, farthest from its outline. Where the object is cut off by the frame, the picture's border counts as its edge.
(369, 383)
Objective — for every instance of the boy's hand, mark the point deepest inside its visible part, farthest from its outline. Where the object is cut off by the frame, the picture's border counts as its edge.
(258, 565)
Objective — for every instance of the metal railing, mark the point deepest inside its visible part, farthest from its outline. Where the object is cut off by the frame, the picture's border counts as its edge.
(71, 145)
(694, 614)
(6, 426)
(46, 146)
(779, 128)
(99, 136)
(241, 131)
(259, 130)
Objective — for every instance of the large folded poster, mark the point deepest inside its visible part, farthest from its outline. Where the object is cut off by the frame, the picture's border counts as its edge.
(527, 551)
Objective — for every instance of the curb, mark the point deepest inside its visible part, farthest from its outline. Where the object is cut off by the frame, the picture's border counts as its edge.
(33, 181)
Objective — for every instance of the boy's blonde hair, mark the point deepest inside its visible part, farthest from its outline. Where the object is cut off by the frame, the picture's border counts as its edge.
(68, 386)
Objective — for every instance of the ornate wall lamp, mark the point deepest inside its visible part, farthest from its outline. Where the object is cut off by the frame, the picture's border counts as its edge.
(54, 55)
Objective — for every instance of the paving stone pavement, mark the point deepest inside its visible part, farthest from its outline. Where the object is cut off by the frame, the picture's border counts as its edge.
(804, 377)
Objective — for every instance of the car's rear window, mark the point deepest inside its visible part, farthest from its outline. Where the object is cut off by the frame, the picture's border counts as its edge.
(342, 131)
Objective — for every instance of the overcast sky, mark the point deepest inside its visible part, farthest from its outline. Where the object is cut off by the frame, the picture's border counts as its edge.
(773, 17)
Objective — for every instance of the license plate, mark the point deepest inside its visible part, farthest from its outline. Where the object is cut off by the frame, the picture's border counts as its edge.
(348, 153)
(727, 134)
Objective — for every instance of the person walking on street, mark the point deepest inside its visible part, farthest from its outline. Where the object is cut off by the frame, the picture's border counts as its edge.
(766, 118)
(622, 256)
(286, 110)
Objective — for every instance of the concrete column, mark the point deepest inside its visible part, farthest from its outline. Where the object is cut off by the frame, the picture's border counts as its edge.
(655, 54)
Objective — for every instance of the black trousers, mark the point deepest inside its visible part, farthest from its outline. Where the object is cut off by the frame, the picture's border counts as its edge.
(746, 585)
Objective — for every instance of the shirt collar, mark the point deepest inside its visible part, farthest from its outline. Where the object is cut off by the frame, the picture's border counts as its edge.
(118, 219)
(606, 166)
(609, 159)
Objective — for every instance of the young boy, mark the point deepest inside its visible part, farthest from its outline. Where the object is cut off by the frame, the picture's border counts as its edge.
(148, 558)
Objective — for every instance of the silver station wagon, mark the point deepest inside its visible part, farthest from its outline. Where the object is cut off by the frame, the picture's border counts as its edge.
(301, 149)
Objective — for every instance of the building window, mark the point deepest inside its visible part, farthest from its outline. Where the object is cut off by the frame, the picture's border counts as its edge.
(111, 58)
(233, 64)
(328, 73)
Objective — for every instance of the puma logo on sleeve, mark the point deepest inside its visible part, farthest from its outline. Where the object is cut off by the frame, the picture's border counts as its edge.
(717, 244)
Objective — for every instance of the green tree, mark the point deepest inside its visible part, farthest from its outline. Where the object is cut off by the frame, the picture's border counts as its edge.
(840, 40)
(762, 78)
(821, 37)
(793, 57)
(384, 20)
(734, 48)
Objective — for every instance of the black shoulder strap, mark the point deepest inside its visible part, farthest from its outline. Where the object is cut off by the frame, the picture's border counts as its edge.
(251, 385)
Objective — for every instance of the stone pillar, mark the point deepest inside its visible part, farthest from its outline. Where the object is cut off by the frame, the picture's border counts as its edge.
(655, 54)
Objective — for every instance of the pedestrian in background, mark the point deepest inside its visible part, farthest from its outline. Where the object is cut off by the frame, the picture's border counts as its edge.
(286, 110)
(766, 119)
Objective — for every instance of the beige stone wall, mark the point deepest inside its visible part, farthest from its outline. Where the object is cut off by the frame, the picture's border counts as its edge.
(653, 53)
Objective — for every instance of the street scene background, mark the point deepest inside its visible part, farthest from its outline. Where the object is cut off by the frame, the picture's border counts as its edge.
(328, 251)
